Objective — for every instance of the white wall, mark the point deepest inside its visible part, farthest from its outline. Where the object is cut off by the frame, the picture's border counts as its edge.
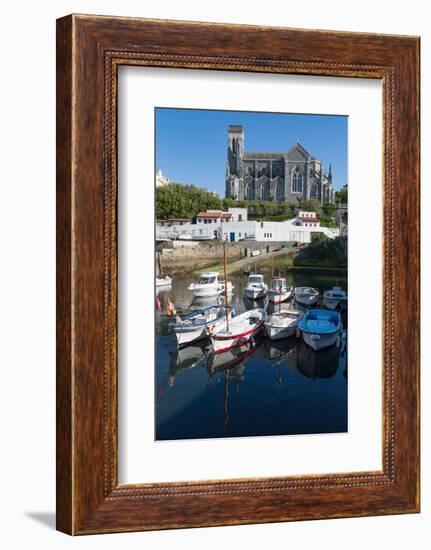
(27, 273)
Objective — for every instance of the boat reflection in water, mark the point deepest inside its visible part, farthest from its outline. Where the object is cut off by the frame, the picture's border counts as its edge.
(231, 360)
(318, 364)
(200, 302)
(277, 350)
(189, 357)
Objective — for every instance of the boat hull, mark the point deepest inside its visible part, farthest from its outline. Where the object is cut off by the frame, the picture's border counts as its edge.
(224, 343)
(320, 341)
(306, 300)
(279, 297)
(187, 335)
(167, 281)
(279, 333)
(334, 303)
(255, 294)
(208, 291)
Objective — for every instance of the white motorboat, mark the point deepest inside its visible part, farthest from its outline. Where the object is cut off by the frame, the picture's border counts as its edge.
(209, 285)
(306, 296)
(320, 328)
(255, 287)
(194, 327)
(239, 331)
(283, 324)
(335, 298)
(278, 291)
(166, 281)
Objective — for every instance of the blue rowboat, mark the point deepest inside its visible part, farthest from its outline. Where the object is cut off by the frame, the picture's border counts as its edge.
(320, 328)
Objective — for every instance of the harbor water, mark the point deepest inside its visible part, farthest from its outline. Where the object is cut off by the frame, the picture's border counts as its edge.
(267, 388)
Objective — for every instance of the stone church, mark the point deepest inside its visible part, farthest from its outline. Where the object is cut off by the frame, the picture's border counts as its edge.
(278, 176)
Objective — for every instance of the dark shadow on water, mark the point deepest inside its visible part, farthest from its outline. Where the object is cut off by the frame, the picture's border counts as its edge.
(45, 518)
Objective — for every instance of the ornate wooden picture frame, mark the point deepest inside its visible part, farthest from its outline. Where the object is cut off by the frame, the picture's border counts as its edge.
(89, 51)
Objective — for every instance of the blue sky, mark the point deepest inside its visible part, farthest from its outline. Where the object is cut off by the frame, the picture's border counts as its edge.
(191, 143)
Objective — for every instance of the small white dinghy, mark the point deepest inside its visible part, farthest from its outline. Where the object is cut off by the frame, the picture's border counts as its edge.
(255, 287)
(238, 331)
(320, 328)
(306, 296)
(278, 291)
(283, 324)
(194, 327)
(209, 285)
(334, 298)
(166, 281)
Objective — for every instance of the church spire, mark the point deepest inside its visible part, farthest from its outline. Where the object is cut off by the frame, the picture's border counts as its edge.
(330, 174)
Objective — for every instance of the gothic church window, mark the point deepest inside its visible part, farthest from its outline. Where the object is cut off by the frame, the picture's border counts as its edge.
(250, 192)
(279, 191)
(296, 181)
(264, 191)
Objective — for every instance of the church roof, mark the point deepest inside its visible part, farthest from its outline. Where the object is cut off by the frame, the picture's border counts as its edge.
(301, 149)
(257, 155)
(263, 156)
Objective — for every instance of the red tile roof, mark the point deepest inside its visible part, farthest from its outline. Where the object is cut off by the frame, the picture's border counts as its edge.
(214, 214)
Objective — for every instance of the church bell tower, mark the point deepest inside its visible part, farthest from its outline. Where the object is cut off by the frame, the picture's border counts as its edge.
(235, 150)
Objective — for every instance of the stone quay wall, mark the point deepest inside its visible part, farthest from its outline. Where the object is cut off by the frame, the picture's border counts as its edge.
(187, 259)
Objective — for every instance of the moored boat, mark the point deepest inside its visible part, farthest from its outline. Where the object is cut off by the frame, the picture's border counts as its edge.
(278, 290)
(306, 296)
(283, 324)
(194, 326)
(209, 285)
(165, 281)
(320, 328)
(335, 298)
(255, 287)
(238, 331)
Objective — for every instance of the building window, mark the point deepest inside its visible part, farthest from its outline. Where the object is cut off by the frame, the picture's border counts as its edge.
(296, 181)
(239, 235)
(205, 220)
(240, 217)
(279, 191)
(264, 191)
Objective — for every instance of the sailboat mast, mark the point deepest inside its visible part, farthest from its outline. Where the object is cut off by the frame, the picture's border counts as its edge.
(225, 286)
(160, 264)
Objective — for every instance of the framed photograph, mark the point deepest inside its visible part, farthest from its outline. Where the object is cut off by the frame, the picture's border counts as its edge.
(237, 274)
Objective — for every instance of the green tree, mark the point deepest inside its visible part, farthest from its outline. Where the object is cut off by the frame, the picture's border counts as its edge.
(184, 201)
(328, 209)
(341, 195)
(311, 205)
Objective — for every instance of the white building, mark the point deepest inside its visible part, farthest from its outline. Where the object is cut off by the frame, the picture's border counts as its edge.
(261, 231)
(161, 179)
(307, 219)
(274, 231)
(213, 217)
(238, 214)
(231, 226)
